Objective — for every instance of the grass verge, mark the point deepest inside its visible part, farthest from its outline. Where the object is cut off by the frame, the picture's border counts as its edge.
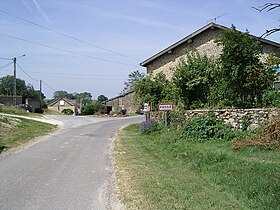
(17, 111)
(162, 171)
(15, 131)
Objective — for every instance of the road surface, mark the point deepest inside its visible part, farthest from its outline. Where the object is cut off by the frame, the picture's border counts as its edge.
(69, 169)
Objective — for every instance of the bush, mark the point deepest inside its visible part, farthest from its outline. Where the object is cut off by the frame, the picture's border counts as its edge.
(67, 111)
(149, 126)
(176, 118)
(92, 107)
(88, 109)
(39, 110)
(205, 128)
(267, 137)
(271, 98)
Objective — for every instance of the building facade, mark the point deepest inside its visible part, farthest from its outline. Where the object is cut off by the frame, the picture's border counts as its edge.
(203, 41)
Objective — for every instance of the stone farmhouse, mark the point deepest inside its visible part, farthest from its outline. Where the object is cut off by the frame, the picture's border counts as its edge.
(202, 40)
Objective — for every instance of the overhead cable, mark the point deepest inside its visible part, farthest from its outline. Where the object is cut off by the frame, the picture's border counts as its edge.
(68, 51)
(68, 36)
(6, 65)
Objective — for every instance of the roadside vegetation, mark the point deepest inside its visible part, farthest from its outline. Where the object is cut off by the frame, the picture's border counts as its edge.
(197, 166)
(17, 131)
(16, 111)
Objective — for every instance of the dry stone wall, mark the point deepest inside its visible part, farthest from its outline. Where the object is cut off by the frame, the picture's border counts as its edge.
(237, 117)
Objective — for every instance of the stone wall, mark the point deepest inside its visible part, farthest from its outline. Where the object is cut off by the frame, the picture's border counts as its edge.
(236, 117)
(9, 100)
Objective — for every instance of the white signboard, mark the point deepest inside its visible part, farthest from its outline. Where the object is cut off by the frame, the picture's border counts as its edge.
(165, 107)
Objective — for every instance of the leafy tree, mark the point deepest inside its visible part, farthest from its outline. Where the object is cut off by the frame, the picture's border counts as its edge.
(268, 7)
(85, 96)
(193, 79)
(92, 107)
(132, 78)
(243, 74)
(153, 90)
(60, 94)
(102, 98)
(26, 91)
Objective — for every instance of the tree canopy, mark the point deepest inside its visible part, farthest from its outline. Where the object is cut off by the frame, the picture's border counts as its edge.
(133, 77)
(244, 75)
(22, 89)
(102, 98)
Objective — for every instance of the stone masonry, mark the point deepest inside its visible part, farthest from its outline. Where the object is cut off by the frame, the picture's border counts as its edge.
(236, 117)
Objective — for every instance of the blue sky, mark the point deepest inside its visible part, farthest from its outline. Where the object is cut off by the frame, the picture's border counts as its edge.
(114, 37)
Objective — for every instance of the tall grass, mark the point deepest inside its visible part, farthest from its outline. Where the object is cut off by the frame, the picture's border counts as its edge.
(162, 170)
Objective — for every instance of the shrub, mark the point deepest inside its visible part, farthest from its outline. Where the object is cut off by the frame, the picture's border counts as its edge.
(88, 109)
(67, 111)
(267, 137)
(206, 127)
(149, 126)
(271, 98)
(176, 118)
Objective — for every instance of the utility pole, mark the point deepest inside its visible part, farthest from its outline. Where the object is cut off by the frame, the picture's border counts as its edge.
(40, 96)
(15, 81)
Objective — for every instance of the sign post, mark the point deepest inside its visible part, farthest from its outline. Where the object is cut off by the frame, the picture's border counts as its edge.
(165, 107)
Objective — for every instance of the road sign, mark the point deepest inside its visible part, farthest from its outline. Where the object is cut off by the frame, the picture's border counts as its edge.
(165, 107)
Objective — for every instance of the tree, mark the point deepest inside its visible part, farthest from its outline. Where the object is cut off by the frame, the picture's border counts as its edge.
(85, 96)
(102, 98)
(132, 78)
(92, 107)
(244, 75)
(26, 91)
(193, 79)
(268, 7)
(60, 94)
(148, 90)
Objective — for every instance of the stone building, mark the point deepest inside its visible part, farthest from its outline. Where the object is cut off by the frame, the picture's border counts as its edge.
(202, 40)
(63, 103)
(123, 101)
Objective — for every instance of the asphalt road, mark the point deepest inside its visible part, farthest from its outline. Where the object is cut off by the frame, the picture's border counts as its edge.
(69, 169)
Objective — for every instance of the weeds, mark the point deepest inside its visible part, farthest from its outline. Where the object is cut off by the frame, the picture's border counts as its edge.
(207, 128)
(149, 126)
(268, 137)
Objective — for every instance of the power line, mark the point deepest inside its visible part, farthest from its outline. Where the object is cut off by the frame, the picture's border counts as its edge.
(27, 73)
(48, 86)
(5, 58)
(6, 65)
(68, 51)
(68, 36)
(63, 74)
(34, 78)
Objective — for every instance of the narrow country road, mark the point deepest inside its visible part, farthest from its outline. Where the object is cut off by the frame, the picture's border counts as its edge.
(69, 169)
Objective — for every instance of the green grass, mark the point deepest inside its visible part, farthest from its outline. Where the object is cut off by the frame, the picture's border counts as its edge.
(162, 171)
(17, 111)
(15, 132)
